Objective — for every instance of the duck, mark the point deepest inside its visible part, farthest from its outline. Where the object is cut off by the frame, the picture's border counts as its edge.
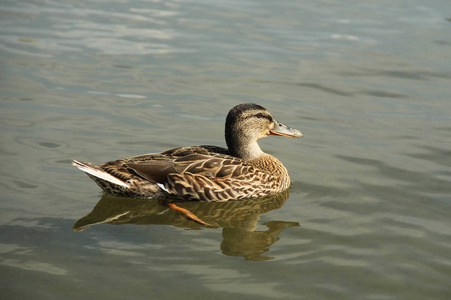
(205, 172)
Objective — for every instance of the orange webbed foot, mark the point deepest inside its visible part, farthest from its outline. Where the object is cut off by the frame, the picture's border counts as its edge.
(189, 215)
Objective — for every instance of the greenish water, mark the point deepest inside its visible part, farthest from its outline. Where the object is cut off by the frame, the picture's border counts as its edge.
(368, 83)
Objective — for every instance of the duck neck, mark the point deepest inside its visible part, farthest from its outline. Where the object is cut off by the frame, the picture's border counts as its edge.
(244, 148)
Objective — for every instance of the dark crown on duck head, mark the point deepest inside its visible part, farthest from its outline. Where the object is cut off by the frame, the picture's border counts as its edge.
(235, 113)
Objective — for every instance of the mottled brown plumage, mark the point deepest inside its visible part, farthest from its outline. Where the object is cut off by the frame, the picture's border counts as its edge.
(205, 173)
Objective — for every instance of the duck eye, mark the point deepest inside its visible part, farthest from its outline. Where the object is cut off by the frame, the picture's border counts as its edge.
(259, 115)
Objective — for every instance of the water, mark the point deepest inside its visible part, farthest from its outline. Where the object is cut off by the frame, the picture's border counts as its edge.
(368, 214)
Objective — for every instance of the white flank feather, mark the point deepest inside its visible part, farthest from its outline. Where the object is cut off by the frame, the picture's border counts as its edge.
(99, 173)
(161, 186)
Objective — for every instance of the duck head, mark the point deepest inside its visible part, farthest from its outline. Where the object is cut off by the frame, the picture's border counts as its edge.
(249, 122)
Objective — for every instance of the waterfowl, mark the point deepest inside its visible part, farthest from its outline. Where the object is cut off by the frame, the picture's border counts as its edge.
(204, 173)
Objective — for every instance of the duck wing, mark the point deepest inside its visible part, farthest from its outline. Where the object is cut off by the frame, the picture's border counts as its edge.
(196, 173)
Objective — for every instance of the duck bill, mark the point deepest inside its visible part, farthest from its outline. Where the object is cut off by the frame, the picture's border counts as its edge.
(284, 130)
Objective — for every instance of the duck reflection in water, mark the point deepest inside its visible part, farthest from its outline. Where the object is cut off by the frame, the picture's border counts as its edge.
(238, 220)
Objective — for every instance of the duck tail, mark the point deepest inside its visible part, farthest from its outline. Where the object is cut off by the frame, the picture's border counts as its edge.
(97, 172)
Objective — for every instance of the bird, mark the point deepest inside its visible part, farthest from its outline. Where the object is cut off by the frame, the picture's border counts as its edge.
(204, 173)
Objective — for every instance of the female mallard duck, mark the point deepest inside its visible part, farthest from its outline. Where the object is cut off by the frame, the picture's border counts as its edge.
(205, 173)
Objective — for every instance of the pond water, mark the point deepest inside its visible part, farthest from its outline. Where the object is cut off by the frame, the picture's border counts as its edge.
(368, 215)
